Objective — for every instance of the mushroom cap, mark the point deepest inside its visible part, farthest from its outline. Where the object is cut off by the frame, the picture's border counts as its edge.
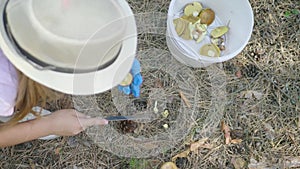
(169, 165)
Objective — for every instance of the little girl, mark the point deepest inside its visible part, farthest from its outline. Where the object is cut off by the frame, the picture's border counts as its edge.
(17, 90)
(66, 48)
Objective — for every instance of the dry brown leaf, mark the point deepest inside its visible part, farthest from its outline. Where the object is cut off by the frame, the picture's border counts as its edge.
(169, 165)
(181, 155)
(193, 147)
(199, 144)
(226, 130)
(236, 141)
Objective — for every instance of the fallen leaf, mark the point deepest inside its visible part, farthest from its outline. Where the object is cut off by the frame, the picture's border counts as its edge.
(181, 155)
(238, 163)
(236, 141)
(169, 165)
(193, 148)
(196, 145)
(250, 94)
(226, 130)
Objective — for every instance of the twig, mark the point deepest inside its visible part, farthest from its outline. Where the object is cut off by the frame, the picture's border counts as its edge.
(185, 100)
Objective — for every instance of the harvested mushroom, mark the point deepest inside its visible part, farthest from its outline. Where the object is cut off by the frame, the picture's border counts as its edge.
(187, 32)
(127, 81)
(169, 165)
(219, 31)
(190, 19)
(215, 41)
(218, 42)
(207, 16)
(198, 36)
(199, 32)
(192, 9)
(193, 26)
(180, 26)
(222, 47)
(210, 50)
(198, 5)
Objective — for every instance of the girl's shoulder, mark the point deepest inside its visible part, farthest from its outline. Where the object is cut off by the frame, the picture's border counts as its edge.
(8, 86)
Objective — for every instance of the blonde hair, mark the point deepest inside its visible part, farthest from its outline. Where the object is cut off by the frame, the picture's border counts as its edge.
(30, 94)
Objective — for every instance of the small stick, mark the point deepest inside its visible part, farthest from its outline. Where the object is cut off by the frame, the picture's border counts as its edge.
(185, 100)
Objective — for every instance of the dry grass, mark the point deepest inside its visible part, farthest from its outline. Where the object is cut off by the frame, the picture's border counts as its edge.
(269, 127)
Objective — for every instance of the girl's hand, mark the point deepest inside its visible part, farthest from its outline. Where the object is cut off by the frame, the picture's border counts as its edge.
(68, 122)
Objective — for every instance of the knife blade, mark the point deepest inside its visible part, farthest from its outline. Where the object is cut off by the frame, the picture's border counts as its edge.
(122, 118)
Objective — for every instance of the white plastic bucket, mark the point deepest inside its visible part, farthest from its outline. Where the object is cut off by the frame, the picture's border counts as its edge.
(240, 17)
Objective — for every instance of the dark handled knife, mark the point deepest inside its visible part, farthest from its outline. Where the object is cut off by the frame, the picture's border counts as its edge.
(122, 118)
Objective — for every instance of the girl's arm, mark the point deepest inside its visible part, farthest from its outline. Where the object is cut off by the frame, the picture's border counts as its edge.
(23, 132)
(65, 122)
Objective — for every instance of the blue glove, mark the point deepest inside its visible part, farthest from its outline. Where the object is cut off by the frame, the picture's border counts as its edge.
(134, 87)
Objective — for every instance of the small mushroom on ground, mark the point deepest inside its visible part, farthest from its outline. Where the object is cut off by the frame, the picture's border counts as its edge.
(165, 114)
(169, 165)
(166, 126)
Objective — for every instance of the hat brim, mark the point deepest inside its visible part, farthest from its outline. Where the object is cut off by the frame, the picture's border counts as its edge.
(8, 113)
(81, 83)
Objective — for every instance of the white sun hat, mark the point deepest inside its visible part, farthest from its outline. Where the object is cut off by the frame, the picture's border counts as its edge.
(78, 47)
